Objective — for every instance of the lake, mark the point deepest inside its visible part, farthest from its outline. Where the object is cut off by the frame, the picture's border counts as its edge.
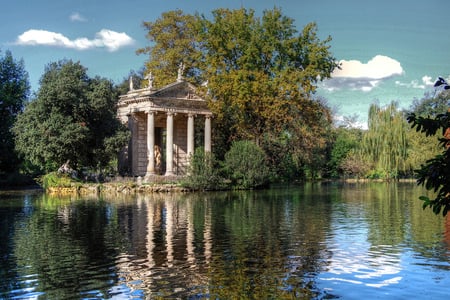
(311, 241)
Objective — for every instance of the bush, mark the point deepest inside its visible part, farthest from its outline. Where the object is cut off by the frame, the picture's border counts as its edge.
(55, 179)
(245, 165)
(203, 172)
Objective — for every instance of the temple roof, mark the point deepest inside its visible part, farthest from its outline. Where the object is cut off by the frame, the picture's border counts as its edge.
(179, 96)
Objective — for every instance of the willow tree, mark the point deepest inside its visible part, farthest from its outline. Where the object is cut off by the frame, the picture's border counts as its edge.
(385, 144)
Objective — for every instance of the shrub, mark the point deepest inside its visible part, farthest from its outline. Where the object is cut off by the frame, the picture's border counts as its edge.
(245, 165)
(203, 172)
(55, 179)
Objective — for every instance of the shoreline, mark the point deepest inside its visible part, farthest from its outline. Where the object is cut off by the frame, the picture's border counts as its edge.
(116, 188)
(125, 187)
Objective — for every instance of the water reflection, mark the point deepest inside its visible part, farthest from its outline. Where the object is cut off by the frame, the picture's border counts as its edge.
(314, 241)
(385, 246)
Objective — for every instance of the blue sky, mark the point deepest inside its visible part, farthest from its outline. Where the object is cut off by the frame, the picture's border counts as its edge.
(390, 50)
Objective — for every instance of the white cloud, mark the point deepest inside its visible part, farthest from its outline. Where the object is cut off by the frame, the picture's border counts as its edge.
(379, 67)
(357, 76)
(416, 84)
(76, 17)
(427, 80)
(111, 40)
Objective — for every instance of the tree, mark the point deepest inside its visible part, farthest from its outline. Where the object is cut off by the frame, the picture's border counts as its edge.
(345, 142)
(435, 174)
(73, 118)
(14, 91)
(431, 105)
(423, 147)
(174, 41)
(261, 73)
(385, 143)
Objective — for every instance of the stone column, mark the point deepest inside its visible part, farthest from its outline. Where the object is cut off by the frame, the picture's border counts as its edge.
(190, 135)
(150, 144)
(133, 145)
(208, 133)
(169, 144)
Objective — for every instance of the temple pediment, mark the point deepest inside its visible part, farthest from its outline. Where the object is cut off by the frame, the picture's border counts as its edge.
(178, 90)
(179, 96)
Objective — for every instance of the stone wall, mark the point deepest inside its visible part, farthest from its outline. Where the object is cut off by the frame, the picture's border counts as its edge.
(180, 141)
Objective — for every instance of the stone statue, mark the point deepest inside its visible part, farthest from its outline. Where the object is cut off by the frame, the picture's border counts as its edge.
(180, 72)
(150, 79)
(157, 159)
(131, 83)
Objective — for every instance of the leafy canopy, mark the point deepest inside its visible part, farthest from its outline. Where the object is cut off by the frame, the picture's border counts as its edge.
(385, 144)
(73, 118)
(174, 40)
(261, 73)
(14, 92)
(258, 73)
(435, 174)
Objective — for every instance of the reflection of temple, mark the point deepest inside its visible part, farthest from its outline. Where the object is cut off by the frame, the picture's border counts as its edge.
(166, 244)
(161, 122)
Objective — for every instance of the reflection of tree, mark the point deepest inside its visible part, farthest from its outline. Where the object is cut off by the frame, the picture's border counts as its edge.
(268, 244)
(225, 245)
(393, 219)
(65, 245)
(10, 209)
(246, 244)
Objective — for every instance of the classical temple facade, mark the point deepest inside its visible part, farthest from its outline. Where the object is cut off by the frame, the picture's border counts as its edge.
(161, 122)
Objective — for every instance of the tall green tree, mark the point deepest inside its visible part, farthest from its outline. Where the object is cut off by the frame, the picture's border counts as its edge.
(261, 72)
(14, 92)
(73, 118)
(385, 144)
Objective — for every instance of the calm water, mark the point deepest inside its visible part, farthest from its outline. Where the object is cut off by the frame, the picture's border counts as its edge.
(317, 241)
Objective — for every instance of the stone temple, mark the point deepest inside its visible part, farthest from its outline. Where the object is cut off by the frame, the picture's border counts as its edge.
(161, 122)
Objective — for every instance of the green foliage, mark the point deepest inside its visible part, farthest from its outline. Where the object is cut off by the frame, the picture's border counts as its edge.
(174, 41)
(204, 172)
(14, 91)
(385, 144)
(283, 165)
(346, 140)
(54, 179)
(261, 76)
(431, 105)
(73, 118)
(423, 147)
(245, 165)
(435, 174)
(261, 72)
